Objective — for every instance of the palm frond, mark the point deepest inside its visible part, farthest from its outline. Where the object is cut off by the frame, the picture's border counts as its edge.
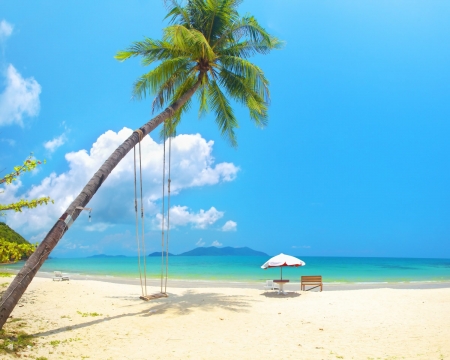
(246, 49)
(202, 95)
(241, 89)
(177, 13)
(206, 49)
(154, 79)
(189, 40)
(167, 90)
(247, 27)
(251, 72)
(151, 51)
(225, 118)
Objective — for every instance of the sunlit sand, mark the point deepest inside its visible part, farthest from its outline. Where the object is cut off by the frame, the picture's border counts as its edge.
(103, 320)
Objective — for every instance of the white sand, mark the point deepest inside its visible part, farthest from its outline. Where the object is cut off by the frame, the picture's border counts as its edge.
(223, 323)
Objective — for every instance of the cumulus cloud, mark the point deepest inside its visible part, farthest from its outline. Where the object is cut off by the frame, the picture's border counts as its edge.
(230, 226)
(192, 165)
(216, 243)
(181, 216)
(6, 30)
(20, 98)
(52, 145)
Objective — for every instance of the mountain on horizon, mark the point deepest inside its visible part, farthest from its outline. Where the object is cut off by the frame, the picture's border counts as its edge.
(225, 251)
(158, 253)
(105, 256)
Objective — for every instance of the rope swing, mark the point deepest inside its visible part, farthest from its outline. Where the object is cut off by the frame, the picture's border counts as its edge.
(140, 240)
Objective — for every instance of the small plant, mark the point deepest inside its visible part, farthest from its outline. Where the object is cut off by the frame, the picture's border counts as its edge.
(41, 358)
(5, 274)
(13, 342)
(86, 314)
(55, 343)
(15, 320)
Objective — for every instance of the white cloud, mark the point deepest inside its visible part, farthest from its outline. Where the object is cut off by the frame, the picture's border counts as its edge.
(20, 98)
(200, 242)
(100, 227)
(6, 30)
(114, 202)
(216, 243)
(181, 216)
(38, 238)
(52, 145)
(10, 142)
(229, 226)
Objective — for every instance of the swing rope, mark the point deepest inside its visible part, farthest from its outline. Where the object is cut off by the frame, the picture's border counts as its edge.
(163, 204)
(138, 242)
(142, 216)
(164, 240)
(168, 215)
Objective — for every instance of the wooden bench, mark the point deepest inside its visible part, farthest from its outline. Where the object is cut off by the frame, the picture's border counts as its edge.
(314, 281)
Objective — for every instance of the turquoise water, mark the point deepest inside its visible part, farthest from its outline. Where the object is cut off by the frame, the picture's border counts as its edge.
(247, 268)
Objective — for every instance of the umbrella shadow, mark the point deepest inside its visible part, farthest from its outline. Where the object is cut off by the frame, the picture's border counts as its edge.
(275, 295)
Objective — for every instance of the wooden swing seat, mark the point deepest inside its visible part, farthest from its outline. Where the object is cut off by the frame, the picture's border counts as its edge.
(153, 296)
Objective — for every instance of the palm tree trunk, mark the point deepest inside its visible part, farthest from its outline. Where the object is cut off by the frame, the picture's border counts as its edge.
(20, 283)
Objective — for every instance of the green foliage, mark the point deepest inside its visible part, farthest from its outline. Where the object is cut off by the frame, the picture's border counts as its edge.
(12, 252)
(13, 247)
(28, 165)
(10, 235)
(207, 42)
(94, 314)
(13, 342)
(28, 204)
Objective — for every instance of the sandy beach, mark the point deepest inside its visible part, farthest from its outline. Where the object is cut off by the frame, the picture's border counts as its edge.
(80, 319)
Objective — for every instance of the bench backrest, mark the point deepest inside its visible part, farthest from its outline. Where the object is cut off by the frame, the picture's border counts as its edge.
(314, 278)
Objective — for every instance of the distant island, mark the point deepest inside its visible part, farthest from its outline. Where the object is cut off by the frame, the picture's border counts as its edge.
(158, 253)
(215, 251)
(200, 251)
(105, 256)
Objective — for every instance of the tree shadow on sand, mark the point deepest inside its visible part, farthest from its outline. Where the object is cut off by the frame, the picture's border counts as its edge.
(178, 304)
(275, 295)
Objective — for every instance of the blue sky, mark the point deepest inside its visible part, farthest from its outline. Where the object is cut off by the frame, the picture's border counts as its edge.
(354, 161)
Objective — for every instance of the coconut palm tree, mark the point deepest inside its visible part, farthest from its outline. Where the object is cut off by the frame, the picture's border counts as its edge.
(204, 50)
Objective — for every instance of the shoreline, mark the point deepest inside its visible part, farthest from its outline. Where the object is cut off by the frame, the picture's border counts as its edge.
(291, 286)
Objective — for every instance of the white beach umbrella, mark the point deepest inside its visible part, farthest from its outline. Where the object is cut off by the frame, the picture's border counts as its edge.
(282, 260)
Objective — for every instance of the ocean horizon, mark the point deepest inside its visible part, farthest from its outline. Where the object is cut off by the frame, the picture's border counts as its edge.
(248, 268)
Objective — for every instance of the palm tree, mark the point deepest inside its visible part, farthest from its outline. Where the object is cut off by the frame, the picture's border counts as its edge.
(204, 50)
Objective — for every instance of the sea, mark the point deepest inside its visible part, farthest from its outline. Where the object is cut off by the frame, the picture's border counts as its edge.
(248, 268)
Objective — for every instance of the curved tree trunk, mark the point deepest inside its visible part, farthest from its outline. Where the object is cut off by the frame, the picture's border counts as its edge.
(20, 283)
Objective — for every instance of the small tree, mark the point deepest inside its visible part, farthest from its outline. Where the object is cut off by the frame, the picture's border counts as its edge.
(28, 165)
